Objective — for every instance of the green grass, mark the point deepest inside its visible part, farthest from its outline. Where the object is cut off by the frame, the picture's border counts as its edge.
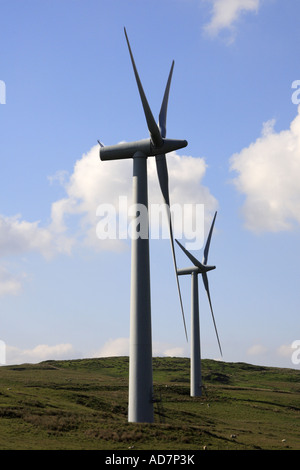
(82, 404)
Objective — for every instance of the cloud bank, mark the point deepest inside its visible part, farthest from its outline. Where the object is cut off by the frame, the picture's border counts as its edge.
(73, 219)
(120, 347)
(260, 353)
(41, 352)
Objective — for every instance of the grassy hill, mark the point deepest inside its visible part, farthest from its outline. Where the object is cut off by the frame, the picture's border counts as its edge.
(82, 404)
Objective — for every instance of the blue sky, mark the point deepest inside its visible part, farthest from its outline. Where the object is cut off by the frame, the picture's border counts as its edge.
(68, 82)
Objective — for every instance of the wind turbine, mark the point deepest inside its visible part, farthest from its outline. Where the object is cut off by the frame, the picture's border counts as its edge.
(140, 403)
(198, 268)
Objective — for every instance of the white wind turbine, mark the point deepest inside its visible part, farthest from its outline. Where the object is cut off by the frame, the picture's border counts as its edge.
(198, 268)
(140, 405)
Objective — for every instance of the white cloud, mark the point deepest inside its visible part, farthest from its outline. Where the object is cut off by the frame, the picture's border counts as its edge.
(268, 175)
(256, 350)
(285, 350)
(91, 183)
(20, 236)
(41, 352)
(114, 347)
(285, 355)
(172, 352)
(225, 14)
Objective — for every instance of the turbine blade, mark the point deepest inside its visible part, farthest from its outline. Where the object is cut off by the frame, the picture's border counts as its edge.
(162, 173)
(164, 105)
(206, 249)
(161, 163)
(175, 267)
(163, 178)
(191, 257)
(152, 126)
(205, 282)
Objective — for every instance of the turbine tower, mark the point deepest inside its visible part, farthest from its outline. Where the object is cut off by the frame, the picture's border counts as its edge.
(140, 403)
(198, 268)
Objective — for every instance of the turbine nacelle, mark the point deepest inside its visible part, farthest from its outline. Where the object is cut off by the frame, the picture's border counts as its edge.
(195, 269)
(145, 146)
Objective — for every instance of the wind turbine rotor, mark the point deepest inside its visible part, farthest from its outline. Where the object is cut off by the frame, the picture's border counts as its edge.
(157, 144)
(194, 260)
(202, 268)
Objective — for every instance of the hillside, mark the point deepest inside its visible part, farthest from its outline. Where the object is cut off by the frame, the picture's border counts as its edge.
(82, 404)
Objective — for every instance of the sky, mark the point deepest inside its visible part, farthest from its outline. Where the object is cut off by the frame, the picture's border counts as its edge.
(66, 81)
